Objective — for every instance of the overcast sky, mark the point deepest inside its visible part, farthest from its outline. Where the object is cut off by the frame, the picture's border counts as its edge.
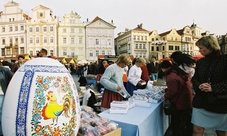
(160, 15)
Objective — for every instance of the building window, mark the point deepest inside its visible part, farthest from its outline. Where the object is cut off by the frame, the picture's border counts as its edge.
(9, 19)
(72, 54)
(37, 29)
(97, 52)
(30, 40)
(64, 30)
(44, 29)
(72, 40)
(22, 40)
(91, 54)
(80, 40)
(10, 28)
(157, 48)
(51, 28)
(144, 46)
(97, 41)
(31, 53)
(51, 40)
(51, 52)
(177, 48)
(3, 41)
(170, 47)
(136, 46)
(64, 40)
(16, 41)
(16, 28)
(8, 51)
(64, 52)
(30, 29)
(134, 37)
(22, 28)
(37, 40)
(44, 39)
(108, 41)
(22, 50)
(3, 29)
(138, 38)
(3, 51)
(103, 52)
(140, 46)
(80, 31)
(72, 30)
(163, 48)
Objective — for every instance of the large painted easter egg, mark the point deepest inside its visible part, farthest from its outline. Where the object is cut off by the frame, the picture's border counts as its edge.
(41, 100)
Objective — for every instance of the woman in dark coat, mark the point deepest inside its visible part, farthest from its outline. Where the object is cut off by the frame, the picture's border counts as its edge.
(210, 79)
(179, 92)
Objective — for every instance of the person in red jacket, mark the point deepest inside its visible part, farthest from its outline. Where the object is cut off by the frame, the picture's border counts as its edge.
(179, 93)
(145, 73)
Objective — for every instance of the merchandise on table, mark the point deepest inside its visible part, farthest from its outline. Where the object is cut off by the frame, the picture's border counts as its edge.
(120, 106)
(93, 125)
(152, 94)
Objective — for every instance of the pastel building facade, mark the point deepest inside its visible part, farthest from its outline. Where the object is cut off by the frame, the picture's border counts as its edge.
(13, 30)
(99, 38)
(133, 42)
(71, 37)
(42, 31)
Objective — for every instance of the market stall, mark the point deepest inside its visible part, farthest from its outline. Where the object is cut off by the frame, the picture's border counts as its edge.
(141, 121)
(145, 119)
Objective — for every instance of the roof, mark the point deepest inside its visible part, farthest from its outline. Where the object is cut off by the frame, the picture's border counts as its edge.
(11, 3)
(26, 16)
(140, 29)
(40, 6)
(98, 18)
(165, 33)
(180, 32)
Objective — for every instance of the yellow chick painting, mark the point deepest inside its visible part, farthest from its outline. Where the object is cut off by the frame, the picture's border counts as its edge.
(53, 110)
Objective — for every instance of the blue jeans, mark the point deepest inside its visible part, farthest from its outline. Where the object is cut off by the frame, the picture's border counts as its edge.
(154, 76)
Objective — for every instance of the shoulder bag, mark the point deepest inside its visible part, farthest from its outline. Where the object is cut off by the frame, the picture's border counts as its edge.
(169, 107)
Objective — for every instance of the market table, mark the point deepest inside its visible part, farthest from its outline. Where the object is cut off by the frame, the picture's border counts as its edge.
(141, 121)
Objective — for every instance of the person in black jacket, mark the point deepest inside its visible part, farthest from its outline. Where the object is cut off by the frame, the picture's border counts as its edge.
(153, 69)
(210, 79)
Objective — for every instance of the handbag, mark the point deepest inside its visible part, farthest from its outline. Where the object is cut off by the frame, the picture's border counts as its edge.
(169, 108)
(217, 99)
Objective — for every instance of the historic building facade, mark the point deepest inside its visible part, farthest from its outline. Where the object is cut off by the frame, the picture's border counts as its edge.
(42, 31)
(71, 37)
(99, 38)
(134, 42)
(159, 45)
(13, 30)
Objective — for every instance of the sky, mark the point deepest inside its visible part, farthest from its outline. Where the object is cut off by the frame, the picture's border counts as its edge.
(160, 15)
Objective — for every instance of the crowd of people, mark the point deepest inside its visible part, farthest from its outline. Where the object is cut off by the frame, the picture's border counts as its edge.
(190, 84)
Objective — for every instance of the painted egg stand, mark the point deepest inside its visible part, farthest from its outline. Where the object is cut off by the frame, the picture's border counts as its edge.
(41, 99)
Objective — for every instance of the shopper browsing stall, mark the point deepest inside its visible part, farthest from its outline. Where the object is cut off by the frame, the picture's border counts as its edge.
(112, 81)
(179, 93)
